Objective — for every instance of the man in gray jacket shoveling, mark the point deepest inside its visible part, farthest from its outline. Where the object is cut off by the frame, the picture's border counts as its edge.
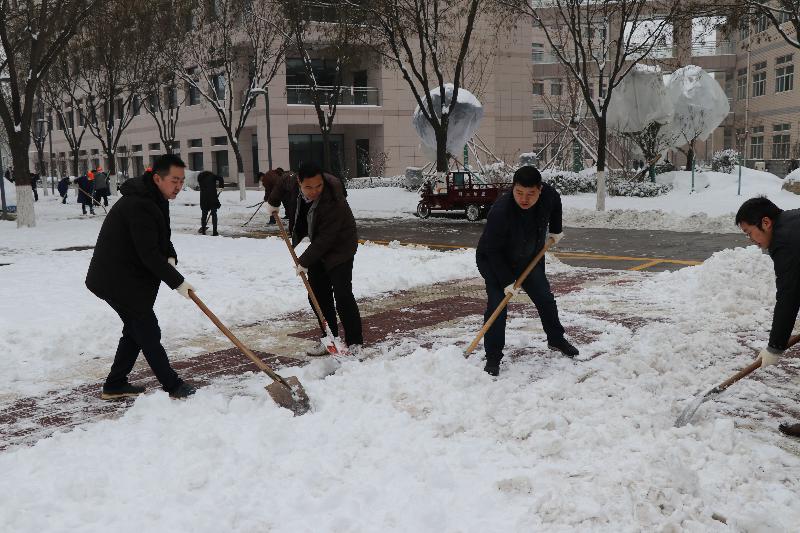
(777, 232)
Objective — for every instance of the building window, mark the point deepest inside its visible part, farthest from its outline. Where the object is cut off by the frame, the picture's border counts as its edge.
(761, 24)
(741, 84)
(220, 163)
(154, 147)
(744, 30)
(218, 86)
(784, 74)
(538, 114)
(194, 94)
(555, 88)
(120, 109)
(136, 148)
(196, 160)
(195, 143)
(538, 88)
(727, 138)
(137, 105)
(152, 101)
(759, 82)
(757, 143)
(537, 52)
(780, 141)
(219, 141)
(60, 118)
(172, 97)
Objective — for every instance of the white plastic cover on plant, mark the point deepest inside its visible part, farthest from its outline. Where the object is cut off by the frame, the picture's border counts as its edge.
(465, 117)
(640, 99)
(700, 103)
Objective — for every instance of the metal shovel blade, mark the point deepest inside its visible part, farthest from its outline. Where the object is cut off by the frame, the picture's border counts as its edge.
(294, 398)
(688, 413)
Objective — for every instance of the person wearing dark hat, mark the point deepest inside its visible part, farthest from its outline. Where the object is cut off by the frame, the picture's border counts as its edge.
(518, 225)
(133, 255)
(209, 199)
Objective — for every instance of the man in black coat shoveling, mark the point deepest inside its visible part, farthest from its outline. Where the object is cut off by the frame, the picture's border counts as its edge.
(322, 214)
(517, 228)
(209, 199)
(777, 232)
(133, 255)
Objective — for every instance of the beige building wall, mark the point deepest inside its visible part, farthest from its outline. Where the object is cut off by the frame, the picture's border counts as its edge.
(506, 128)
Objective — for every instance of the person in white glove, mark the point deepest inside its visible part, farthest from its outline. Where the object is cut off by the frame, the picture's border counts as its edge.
(184, 288)
(776, 232)
(556, 237)
(518, 226)
(128, 265)
(299, 269)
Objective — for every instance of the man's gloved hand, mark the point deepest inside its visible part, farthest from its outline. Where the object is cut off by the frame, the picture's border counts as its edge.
(272, 210)
(184, 288)
(172, 261)
(769, 357)
(556, 237)
(300, 269)
(513, 291)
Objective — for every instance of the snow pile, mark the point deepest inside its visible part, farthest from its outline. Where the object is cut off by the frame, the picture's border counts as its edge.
(465, 117)
(418, 439)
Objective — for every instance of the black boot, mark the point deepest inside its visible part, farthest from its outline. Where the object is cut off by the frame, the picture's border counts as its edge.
(184, 390)
(202, 230)
(492, 365)
(117, 392)
(563, 346)
(791, 430)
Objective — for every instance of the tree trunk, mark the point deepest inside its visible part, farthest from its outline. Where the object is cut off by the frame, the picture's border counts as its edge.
(441, 150)
(690, 157)
(75, 162)
(240, 172)
(26, 215)
(326, 150)
(112, 172)
(601, 165)
(42, 173)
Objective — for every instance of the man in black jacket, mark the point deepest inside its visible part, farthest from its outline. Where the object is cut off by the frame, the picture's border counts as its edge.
(133, 255)
(209, 200)
(323, 215)
(516, 230)
(778, 233)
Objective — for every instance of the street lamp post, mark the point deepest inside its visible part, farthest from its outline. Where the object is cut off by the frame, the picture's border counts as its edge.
(3, 186)
(50, 164)
(40, 134)
(265, 92)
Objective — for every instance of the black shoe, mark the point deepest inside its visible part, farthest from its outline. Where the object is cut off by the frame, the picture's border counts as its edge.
(791, 430)
(202, 230)
(492, 369)
(564, 347)
(215, 234)
(117, 392)
(184, 390)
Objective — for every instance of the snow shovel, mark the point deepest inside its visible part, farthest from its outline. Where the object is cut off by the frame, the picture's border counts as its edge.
(692, 408)
(330, 341)
(505, 301)
(287, 392)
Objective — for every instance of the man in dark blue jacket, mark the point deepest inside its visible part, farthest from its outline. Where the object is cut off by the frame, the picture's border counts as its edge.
(133, 255)
(778, 233)
(518, 225)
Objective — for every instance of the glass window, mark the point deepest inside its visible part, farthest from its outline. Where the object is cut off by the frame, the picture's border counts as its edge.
(780, 146)
(196, 160)
(741, 87)
(538, 88)
(195, 143)
(784, 78)
(757, 147)
(555, 89)
(759, 83)
(537, 52)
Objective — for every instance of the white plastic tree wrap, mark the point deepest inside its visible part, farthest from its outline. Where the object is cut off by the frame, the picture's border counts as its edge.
(639, 100)
(465, 118)
(700, 104)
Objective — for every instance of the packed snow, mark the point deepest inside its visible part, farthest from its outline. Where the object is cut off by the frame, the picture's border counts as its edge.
(412, 438)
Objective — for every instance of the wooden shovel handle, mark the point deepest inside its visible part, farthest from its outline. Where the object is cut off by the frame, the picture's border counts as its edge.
(505, 300)
(217, 322)
(752, 367)
(314, 302)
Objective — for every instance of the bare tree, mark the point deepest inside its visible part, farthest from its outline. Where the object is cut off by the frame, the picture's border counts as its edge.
(600, 39)
(112, 66)
(324, 35)
(231, 54)
(429, 42)
(32, 34)
(783, 15)
(61, 93)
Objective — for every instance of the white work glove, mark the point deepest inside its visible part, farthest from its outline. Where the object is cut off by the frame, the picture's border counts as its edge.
(768, 358)
(300, 269)
(172, 261)
(273, 210)
(513, 291)
(556, 237)
(184, 288)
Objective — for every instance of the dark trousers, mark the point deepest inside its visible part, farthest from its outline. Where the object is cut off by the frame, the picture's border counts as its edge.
(35, 193)
(336, 285)
(537, 288)
(101, 194)
(64, 198)
(204, 218)
(91, 207)
(141, 333)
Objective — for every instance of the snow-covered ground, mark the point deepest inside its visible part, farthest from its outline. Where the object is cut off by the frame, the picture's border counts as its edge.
(413, 438)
